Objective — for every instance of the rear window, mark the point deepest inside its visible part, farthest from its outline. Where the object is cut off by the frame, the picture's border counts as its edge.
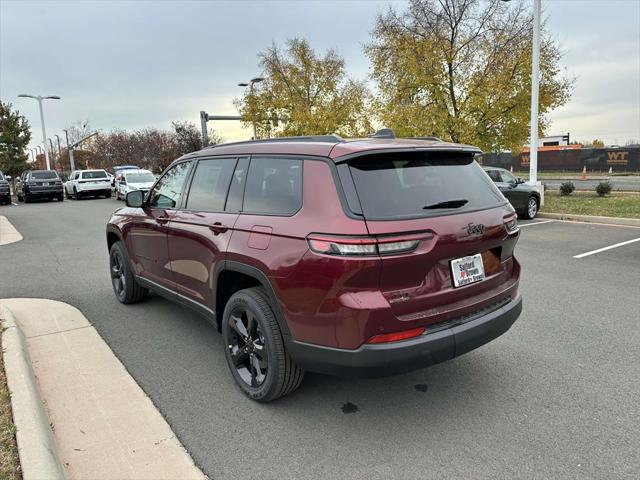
(44, 175)
(402, 184)
(91, 175)
(139, 177)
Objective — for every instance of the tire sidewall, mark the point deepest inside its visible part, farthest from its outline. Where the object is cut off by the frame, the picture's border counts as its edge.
(243, 300)
(537, 207)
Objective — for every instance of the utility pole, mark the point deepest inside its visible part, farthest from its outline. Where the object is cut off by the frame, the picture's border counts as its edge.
(535, 89)
(39, 98)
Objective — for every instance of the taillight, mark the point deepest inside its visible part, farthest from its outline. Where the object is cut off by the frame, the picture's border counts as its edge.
(397, 336)
(364, 246)
(511, 223)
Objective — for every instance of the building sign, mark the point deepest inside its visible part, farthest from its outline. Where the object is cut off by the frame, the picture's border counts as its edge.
(618, 158)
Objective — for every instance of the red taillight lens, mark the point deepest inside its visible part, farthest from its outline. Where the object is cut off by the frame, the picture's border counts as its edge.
(396, 336)
(364, 246)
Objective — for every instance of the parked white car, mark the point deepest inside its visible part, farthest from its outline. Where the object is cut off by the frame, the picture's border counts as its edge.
(131, 180)
(88, 183)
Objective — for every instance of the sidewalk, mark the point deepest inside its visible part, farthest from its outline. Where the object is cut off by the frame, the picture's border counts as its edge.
(104, 426)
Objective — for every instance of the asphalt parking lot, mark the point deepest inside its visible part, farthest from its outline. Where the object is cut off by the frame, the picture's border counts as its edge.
(555, 397)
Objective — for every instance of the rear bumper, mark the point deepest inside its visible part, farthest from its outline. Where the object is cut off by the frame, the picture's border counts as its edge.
(44, 191)
(430, 348)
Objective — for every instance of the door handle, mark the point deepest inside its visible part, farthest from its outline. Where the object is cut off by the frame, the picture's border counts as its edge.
(162, 219)
(218, 228)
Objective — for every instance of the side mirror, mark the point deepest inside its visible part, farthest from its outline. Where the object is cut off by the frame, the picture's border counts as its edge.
(134, 199)
(520, 180)
(8, 177)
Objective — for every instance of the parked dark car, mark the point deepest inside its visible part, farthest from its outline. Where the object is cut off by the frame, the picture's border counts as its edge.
(5, 193)
(525, 198)
(348, 257)
(40, 184)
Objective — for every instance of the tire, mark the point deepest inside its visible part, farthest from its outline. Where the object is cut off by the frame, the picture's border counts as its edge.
(108, 194)
(125, 286)
(60, 198)
(76, 195)
(250, 312)
(27, 199)
(531, 210)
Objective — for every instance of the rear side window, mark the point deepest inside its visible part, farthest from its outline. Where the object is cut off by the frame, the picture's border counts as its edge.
(92, 175)
(274, 186)
(45, 175)
(210, 183)
(400, 185)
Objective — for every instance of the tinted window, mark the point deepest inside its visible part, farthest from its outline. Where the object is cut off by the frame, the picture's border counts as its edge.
(167, 192)
(210, 183)
(274, 186)
(400, 185)
(507, 177)
(96, 174)
(43, 175)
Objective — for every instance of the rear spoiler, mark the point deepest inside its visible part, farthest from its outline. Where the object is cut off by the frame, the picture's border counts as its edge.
(433, 148)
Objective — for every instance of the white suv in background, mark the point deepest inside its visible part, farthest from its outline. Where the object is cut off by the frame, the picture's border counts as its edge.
(86, 183)
(131, 180)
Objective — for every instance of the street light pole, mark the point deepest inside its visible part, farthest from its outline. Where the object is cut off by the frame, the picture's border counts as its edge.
(535, 89)
(53, 154)
(250, 85)
(39, 98)
(59, 150)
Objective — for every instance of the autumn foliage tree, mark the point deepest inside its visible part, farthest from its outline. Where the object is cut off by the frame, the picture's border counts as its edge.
(14, 139)
(304, 93)
(461, 69)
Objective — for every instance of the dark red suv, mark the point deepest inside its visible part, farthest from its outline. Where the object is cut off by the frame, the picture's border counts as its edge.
(347, 257)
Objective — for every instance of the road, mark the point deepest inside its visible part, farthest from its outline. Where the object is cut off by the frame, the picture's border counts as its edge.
(629, 184)
(555, 397)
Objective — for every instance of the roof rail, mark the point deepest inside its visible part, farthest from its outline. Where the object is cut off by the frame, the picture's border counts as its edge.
(310, 138)
(432, 138)
(383, 133)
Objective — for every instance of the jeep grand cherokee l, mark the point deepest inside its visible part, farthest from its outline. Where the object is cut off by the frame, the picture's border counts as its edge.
(349, 257)
(40, 184)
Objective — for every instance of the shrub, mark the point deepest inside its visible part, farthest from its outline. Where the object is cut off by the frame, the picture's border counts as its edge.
(603, 188)
(567, 188)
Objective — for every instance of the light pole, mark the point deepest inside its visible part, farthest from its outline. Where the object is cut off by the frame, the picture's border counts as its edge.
(535, 89)
(59, 150)
(251, 83)
(53, 153)
(39, 98)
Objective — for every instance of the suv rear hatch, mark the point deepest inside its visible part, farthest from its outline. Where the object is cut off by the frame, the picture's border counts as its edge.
(460, 232)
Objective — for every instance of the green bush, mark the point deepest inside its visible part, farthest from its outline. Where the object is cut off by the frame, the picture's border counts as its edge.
(603, 188)
(567, 188)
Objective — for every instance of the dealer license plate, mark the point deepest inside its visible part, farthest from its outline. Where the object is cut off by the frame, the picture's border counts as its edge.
(467, 270)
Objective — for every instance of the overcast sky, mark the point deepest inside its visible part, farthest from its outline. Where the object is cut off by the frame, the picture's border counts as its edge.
(133, 64)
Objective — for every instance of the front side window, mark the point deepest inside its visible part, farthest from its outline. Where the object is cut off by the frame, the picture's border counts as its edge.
(168, 191)
(274, 186)
(210, 183)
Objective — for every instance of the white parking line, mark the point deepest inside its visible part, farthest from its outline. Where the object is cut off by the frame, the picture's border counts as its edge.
(592, 252)
(14, 203)
(536, 223)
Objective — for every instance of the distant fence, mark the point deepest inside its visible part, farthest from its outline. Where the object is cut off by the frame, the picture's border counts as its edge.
(623, 159)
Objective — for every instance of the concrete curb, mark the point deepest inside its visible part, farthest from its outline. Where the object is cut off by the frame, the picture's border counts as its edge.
(627, 222)
(36, 447)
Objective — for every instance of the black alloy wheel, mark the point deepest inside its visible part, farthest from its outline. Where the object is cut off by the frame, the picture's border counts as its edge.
(247, 347)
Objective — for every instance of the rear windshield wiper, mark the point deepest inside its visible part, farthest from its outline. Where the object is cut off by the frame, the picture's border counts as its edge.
(448, 204)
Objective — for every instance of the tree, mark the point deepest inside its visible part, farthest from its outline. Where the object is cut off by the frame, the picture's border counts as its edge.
(15, 136)
(461, 69)
(597, 143)
(305, 94)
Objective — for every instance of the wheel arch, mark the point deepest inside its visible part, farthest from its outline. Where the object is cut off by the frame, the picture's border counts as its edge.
(113, 236)
(233, 276)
